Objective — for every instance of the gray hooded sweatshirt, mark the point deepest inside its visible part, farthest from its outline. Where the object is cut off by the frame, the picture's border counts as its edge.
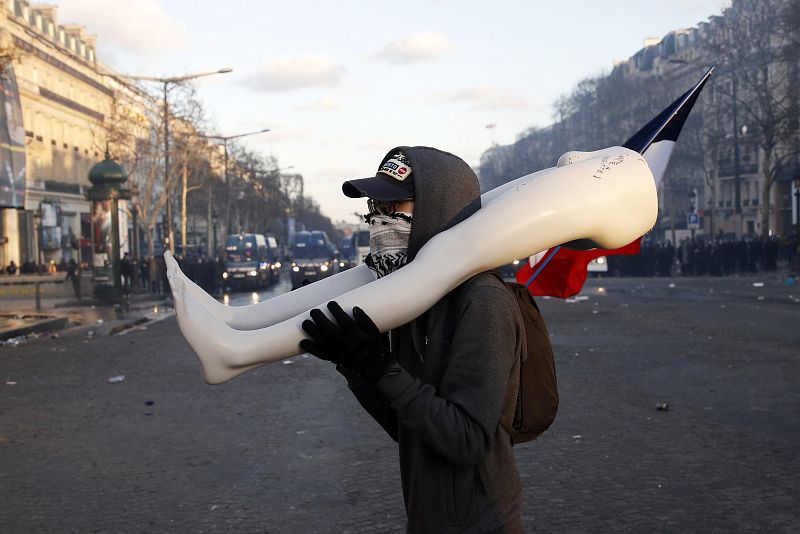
(445, 407)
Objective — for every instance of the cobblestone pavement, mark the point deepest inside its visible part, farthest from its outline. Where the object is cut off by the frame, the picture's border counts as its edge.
(285, 448)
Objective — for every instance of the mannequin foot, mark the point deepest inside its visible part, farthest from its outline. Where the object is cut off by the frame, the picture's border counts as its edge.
(212, 340)
(189, 290)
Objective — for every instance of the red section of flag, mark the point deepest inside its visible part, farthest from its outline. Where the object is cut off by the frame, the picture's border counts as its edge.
(565, 274)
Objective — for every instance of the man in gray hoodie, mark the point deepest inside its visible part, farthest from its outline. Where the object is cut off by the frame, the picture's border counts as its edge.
(446, 402)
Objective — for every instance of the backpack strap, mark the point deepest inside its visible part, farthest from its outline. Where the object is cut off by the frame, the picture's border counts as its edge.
(454, 302)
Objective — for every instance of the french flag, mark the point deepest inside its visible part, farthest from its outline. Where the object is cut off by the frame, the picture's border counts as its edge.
(560, 272)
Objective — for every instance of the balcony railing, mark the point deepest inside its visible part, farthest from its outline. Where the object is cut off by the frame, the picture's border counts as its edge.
(726, 168)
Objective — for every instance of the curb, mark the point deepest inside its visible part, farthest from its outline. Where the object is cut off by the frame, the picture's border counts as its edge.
(141, 321)
(46, 324)
(115, 327)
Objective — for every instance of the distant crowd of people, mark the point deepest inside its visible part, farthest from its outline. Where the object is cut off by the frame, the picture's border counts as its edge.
(146, 273)
(706, 257)
(30, 267)
(203, 270)
(692, 257)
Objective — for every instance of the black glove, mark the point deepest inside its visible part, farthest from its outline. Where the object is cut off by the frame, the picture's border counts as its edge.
(353, 342)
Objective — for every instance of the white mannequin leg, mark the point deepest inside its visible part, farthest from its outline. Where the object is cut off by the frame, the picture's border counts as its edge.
(609, 199)
(269, 312)
(264, 314)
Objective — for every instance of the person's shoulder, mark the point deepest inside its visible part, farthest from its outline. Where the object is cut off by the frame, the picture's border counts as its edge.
(489, 289)
(485, 280)
(488, 297)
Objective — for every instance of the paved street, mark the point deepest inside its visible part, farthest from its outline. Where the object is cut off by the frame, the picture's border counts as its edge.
(285, 448)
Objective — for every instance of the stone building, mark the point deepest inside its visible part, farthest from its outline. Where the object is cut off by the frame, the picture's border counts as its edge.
(66, 98)
(729, 174)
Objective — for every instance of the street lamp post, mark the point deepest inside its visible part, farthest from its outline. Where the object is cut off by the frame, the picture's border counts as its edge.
(737, 177)
(225, 139)
(797, 208)
(167, 84)
(135, 282)
(214, 222)
(797, 226)
(135, 221)
(37, 218)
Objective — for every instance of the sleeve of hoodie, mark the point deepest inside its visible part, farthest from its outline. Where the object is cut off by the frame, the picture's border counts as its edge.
(461, 420)
(372, 401)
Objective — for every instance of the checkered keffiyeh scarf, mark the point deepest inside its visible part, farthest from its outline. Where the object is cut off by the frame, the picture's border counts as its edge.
(388, 242)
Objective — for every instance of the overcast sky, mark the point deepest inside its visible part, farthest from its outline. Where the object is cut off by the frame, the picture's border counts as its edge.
(341, 82)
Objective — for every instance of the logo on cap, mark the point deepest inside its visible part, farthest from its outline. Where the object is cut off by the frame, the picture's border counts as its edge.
(397, 167)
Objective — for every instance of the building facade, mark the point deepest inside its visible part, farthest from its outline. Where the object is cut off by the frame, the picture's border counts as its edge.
(67, 99)
(731, 164)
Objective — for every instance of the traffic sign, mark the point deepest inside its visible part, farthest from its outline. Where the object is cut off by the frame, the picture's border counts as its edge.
(692, 221)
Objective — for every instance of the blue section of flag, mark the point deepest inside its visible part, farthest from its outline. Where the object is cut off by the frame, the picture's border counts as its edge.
(667, 125)
(542, 266)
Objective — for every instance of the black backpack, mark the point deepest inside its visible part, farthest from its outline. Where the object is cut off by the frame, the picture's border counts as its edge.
(537, 397)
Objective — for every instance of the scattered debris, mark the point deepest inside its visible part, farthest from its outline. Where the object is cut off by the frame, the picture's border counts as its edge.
(662, 407)
(577, 298)
(758, 284)
(287, 362)
(149, 402)
(10, 383)
(116, 379)
(300, 432)
(54, 336)
(577, 436)
(672, 285)
(761, 297)
(14, 341)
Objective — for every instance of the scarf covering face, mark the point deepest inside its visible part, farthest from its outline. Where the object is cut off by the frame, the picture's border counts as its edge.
(388, 242)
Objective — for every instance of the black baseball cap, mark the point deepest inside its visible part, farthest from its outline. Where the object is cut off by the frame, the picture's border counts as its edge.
(393, 181)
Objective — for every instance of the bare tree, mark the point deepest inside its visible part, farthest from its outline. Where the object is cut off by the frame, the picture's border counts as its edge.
(759, 51)
(130, 133)
(133, 133)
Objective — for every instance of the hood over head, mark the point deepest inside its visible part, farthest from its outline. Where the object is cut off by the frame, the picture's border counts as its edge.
(446, 191)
